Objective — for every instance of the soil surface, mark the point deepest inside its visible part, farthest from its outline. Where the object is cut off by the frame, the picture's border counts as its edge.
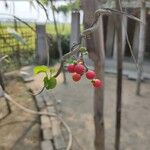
(19, 130)
(77, 109)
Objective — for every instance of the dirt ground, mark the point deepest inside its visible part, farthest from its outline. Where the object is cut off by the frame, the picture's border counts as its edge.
(77, 109)
(19, 131)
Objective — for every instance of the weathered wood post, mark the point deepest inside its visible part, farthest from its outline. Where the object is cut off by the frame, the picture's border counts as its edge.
(41, 44)
(75, 28)
(118, 24)
(95, 47)
(124, 33)
(136, 39)
(141, 46)
(115, 46)
(110, 36)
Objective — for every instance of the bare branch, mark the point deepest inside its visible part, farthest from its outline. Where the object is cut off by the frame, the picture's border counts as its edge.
(24, 22)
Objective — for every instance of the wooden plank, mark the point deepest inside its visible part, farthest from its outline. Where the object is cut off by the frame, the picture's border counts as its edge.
(46, 145)
(45, 122)
(47, 134)
(59, 142)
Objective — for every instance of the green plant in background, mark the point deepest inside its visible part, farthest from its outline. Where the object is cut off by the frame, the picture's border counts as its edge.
(69, 7)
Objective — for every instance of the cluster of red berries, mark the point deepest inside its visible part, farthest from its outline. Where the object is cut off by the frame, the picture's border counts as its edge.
(78, 69)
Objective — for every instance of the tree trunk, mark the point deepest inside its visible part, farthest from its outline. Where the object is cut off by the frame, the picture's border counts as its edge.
(141, 46)
(95, 47)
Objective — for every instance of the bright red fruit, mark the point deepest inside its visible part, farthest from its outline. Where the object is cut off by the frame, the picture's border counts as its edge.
(70, 68)
(76, 77)
(90, 74)
(97, 83)
(80, 69)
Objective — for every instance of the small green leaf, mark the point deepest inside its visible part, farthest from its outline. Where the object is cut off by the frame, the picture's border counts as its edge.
(50, 83)
(39, 69)
(83, 49)
(70, 61)
(45, 80)
(52, 70)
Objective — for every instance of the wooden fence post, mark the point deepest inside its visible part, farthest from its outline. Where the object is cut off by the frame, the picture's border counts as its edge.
(110, 36)
(75, 28)
(41, 44)
(136, 39)
(124, 32)
(115, 46)
(119, 45)
(95, 47)
(141, 46)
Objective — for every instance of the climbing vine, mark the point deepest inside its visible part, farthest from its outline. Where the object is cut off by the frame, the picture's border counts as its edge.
(76, 66)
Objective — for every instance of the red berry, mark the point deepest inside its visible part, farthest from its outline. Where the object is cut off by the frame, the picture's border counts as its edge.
(70, 68)
(76, 77)
(90, 74)
(79, 69)
(97, 83)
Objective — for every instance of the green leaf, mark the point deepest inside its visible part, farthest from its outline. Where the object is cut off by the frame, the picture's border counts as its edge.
(50, 83)
(70, 61)
(39, 69)
(45, 80)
